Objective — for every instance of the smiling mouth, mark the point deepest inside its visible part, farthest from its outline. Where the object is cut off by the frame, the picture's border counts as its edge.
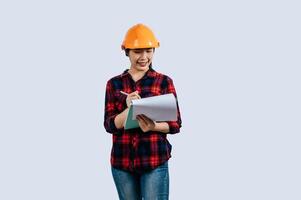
(142, 63)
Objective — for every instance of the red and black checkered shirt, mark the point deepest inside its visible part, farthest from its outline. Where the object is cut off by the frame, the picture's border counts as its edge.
(134, 150)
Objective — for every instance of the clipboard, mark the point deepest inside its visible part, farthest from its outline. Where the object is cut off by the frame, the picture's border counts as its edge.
(129, 121)
(157, 108)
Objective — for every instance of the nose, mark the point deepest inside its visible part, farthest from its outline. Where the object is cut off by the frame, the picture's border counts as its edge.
(144, 55)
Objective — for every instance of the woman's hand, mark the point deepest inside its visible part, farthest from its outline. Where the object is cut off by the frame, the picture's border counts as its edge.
(130, 97)
(145, 123)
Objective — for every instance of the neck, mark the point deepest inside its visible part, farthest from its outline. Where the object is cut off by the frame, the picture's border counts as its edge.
(137, 74)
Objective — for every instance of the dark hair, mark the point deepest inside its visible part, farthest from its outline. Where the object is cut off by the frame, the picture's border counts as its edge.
(127, 52)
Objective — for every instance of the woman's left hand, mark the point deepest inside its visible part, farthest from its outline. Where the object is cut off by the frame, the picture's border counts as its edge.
(145, 123)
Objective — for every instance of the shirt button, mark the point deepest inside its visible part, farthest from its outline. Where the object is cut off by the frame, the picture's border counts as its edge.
(134, 142)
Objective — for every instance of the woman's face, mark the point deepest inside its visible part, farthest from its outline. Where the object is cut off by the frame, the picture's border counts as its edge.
(141, 58)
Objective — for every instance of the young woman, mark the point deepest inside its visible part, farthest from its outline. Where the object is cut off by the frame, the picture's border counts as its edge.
(139, 156)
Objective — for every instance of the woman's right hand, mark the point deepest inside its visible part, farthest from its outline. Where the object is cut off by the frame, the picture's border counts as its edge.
(131, 96)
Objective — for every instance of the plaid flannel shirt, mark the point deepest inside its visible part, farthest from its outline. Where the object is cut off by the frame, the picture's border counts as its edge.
(134, 150)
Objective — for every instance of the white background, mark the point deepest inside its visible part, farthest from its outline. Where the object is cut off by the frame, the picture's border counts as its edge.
(236, 68)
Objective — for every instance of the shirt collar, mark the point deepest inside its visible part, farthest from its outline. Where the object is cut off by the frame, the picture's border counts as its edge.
(150, 73)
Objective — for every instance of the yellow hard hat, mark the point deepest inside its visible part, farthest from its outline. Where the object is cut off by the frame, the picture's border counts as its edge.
(138, 37)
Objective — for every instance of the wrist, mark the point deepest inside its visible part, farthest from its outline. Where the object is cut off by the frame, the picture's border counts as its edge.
(161, 127)
(155, 127)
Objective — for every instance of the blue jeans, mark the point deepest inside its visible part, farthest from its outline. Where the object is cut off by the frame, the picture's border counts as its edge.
(151, 185)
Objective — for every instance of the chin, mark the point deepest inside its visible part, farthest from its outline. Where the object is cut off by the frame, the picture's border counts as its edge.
(142, 68)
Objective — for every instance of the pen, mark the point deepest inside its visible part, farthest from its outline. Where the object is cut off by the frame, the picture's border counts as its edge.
(122, 92)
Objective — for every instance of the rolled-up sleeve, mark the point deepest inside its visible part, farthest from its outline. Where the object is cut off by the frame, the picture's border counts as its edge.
(110, 111)
(174, 126)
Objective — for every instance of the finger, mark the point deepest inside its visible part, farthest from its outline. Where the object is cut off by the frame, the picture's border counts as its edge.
(133, 93)
(145, 118)
(141, 122)
(134, 97)
(142, 119)
(137, 94)
(138, 117)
